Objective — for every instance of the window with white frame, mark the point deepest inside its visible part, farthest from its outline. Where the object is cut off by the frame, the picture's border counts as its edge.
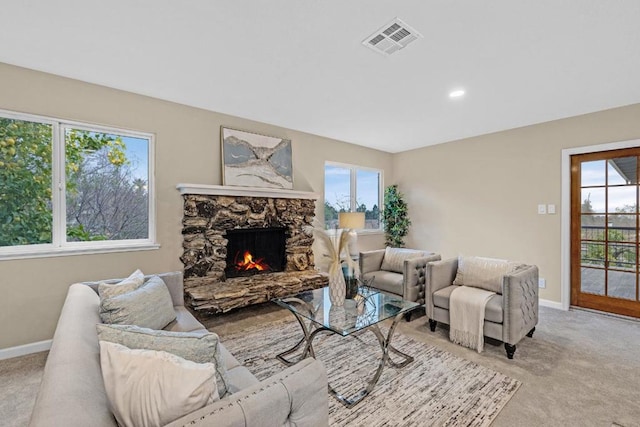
(73, 187)
(349, 188)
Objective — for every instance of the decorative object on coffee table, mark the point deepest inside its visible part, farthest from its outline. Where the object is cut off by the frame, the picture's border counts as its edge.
(254, 160)
(333, 247)
(351, 283)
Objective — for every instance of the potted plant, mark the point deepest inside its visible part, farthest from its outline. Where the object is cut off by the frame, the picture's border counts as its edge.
(395, 217)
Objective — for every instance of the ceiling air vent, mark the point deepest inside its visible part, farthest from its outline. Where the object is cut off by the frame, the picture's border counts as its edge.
(391, 37)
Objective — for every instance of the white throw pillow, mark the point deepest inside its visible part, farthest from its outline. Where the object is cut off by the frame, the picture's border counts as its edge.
(154, 388)
(199, 347)
(131, 283)
(394, 258)
(149, 306)
(483, 273)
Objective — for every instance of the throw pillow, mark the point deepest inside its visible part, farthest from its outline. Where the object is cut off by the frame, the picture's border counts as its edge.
(154, 388)
(199, 347)
(149, 306)
(483, 273)
(394, 258)
(131, 283)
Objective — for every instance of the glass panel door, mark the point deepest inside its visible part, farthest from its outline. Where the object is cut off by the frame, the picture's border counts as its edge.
(604, 253)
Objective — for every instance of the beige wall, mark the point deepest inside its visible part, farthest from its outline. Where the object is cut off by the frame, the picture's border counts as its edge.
(474, 196)
(479, 196)
(32, 291)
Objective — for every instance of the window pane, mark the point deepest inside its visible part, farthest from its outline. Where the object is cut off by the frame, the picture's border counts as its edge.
(25, 182)
(593, 200)
(337, 193)
(622, 199)
(593, 173)
(622, 170)
(367, 197)
(106, 186)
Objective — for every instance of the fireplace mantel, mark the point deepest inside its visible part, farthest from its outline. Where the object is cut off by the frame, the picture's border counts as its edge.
(225, 190)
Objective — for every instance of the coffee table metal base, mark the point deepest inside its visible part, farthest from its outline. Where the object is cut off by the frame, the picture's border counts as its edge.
(312, 330)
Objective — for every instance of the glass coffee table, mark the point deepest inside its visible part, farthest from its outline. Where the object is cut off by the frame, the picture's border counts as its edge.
(315, 314)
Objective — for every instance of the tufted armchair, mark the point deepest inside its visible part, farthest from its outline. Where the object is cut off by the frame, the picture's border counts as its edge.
(399, 271)
(510, 314)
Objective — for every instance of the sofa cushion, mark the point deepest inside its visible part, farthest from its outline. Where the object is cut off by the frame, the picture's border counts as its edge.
(149, 306)
(492, 312)
(483, 273)
(131, 283)
(386, 281)
(154, 388)
(199, 347)
(394, 258)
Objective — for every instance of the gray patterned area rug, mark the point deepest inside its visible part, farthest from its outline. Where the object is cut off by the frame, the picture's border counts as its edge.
(436, 389)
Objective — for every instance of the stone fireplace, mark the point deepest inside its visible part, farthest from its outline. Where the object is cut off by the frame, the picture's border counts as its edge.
(245, 245)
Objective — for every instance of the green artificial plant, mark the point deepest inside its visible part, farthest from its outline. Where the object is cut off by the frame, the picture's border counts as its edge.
(395, 217)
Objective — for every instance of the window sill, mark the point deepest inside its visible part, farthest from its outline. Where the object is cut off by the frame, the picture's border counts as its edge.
(70, 250)
(332, 232)
(370, 232)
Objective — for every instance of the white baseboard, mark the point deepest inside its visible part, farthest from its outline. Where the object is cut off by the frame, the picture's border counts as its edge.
(551, 304)
(22, 350)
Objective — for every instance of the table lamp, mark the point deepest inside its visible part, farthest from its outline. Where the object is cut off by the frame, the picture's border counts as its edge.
(350, 222)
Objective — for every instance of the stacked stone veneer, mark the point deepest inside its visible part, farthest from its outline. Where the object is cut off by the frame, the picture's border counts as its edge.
(205, 223)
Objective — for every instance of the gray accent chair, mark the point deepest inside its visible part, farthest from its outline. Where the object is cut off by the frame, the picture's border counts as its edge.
(72, 392)
(509, 316)
(403, 277)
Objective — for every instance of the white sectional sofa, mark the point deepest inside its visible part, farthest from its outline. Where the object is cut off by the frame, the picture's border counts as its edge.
(72, 392)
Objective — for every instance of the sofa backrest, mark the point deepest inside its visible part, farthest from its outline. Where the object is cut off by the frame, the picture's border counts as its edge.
(72, 391)
(173, 280)
(394, 258)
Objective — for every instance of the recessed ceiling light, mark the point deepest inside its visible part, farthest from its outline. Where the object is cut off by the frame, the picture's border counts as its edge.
(456, 93)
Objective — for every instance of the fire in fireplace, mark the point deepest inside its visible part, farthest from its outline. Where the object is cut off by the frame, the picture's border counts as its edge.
(255, 250)
(247, 263)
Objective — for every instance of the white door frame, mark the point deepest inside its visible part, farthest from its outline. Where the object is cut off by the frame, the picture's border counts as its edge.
(565, 226)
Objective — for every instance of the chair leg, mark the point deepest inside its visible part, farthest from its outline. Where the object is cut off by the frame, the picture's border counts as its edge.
(407, 316)
(511, 348)
(432, 325)
(530, 334)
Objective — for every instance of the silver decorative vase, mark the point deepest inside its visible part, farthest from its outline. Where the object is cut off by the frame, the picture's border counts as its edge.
(337, 287)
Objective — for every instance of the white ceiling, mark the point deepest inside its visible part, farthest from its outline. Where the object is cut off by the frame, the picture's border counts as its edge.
(300, 64)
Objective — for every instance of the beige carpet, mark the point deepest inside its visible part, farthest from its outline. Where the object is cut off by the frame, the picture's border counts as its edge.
(437, 389)
(19, 383)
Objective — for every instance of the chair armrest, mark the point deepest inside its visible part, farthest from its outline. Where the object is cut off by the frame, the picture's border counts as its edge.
(440, 274)
(371, 261)
(519, 303)
(413, 277)
(296, 396)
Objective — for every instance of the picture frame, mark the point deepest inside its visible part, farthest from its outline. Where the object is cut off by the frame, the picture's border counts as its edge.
(254, 160)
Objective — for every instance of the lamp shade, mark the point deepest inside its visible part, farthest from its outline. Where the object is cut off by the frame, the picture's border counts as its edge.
(351, 220)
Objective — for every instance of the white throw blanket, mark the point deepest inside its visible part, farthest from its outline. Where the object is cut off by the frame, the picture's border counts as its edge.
(466, 316)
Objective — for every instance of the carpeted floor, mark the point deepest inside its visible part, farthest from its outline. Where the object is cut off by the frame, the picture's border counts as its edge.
(579, 369)
(19, 382)
(437, 388)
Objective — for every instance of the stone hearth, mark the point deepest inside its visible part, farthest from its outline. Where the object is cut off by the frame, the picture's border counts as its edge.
(209, 211)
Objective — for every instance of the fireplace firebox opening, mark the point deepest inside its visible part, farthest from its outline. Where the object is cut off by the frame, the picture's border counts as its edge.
(255, 250)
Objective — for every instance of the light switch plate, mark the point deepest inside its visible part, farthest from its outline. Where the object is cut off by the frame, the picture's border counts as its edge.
(542, 209)
(551, 209)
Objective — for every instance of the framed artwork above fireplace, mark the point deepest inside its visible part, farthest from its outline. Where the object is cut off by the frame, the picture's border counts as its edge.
(254, 160)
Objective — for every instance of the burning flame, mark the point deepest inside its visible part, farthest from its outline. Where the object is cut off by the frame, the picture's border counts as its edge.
(247, 263)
